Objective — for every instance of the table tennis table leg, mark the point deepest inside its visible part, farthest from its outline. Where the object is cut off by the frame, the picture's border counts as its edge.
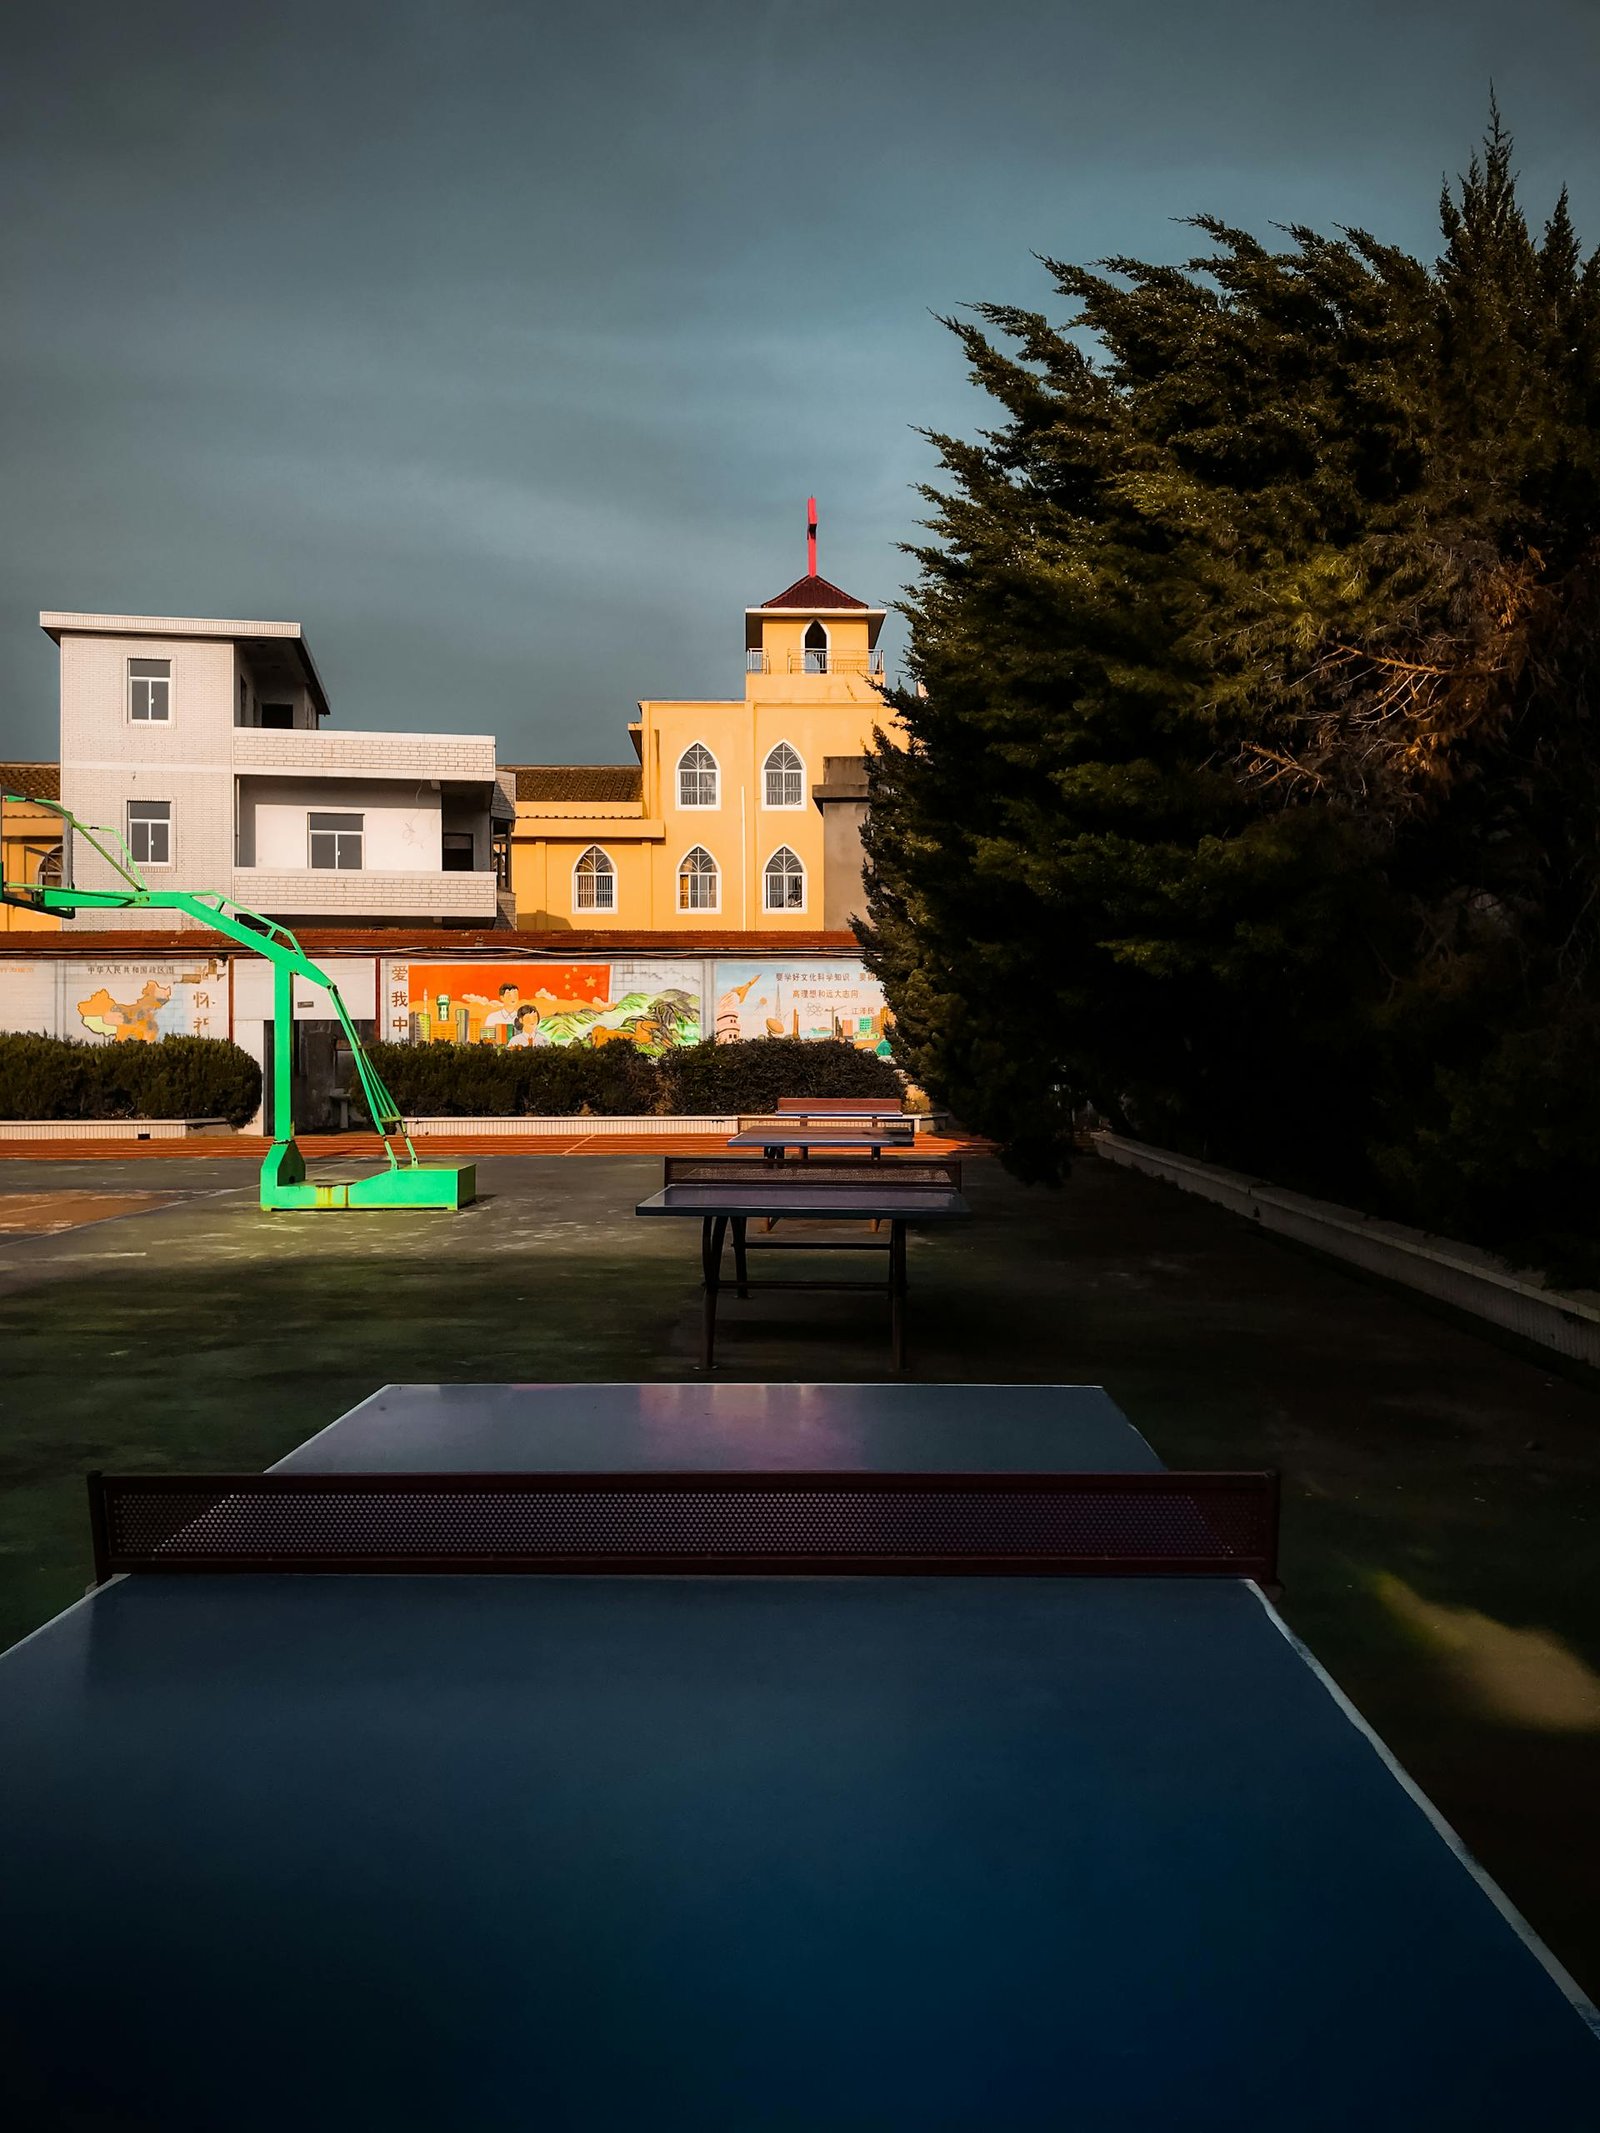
(897, 1292)
(712, 1232)
(741, 1268)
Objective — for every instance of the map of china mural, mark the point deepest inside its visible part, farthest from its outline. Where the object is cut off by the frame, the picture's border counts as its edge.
(116, 1002)
(516, 1005)
(182, 1000)
(126, 1019)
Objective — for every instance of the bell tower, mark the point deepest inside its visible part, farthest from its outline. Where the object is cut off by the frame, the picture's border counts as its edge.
(813, 643)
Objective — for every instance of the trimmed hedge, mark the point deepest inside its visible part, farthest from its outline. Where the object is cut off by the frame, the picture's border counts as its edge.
(176, 1077)
(751, 1076)
(612, 1080)
(482, 1081)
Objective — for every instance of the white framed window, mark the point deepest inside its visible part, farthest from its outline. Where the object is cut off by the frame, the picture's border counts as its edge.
(594, 882)
(150, 691)
(816, 647)
(783, 882)
(150, 832)
(698, 777)
(699, 888)
(783, 778)
(336, 841)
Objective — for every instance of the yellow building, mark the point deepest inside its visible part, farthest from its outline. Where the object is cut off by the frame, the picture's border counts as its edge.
(741, 814)
(30, 840)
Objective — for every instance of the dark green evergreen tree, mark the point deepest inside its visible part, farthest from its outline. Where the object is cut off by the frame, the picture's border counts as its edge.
(1249, 785)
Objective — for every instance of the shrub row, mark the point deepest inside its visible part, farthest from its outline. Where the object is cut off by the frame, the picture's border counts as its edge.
(751, 1076)
(471, 1080)
(207, 1077)
(478, 1081)
(177, 1077)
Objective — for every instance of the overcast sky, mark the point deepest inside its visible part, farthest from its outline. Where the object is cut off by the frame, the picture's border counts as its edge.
(501, 344)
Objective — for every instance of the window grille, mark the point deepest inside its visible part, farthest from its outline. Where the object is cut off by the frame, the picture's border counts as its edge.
(697, 881)
(697, 777)
(785, 778)
(594, 882)
(785, 881)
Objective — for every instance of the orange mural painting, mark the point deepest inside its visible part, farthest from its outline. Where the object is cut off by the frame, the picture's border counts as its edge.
(514, 1005)
(501, 1003)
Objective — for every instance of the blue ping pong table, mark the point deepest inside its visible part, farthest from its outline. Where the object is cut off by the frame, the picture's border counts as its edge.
(941, 1853)
(725, 1194)
(776, 1136)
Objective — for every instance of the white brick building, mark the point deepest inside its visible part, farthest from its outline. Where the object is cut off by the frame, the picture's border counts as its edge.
(201, 744)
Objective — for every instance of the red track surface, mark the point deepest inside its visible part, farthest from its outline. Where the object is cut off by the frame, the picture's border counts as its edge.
(316, 1145)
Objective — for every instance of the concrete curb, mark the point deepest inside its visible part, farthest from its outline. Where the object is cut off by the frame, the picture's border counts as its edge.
(701, 1125)
(108, 1129)
(1456, 1274)
(539, 1126)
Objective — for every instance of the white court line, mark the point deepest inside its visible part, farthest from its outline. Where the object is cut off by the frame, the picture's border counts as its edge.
(71, 1608)
(334, 1424)
(1580, 2001)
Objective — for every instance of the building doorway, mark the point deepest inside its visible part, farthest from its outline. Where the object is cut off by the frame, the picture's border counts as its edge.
(324, 1069)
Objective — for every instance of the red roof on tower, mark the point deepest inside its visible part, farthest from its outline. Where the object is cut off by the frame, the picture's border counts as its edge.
(814, 592)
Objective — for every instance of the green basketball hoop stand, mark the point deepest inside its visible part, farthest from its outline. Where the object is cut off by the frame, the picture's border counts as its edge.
(406, 1181)
(284, 1184)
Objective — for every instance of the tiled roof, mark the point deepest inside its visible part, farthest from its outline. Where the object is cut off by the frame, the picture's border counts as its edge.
(569, 782)
(441, 944)
(31, 781)
(814, 592)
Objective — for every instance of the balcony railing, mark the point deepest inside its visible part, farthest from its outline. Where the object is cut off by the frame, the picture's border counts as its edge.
(314, 892)
(267, 751)
(835, 663)
(759, 662)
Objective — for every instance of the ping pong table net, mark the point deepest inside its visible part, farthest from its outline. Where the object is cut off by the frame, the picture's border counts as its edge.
(846, 1524)
(852, 1173)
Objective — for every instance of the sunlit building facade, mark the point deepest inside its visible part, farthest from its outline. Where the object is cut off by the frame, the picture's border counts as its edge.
(740, 812)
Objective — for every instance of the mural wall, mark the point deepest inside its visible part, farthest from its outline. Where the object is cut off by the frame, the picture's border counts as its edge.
(136, 1001)
(801, 999)
(28, 998)
(650, 1005)
(648, 1002)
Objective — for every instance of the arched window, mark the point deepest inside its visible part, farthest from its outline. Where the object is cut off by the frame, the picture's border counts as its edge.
(785, 778)
(697, 776)
(594, 882)
(816, 649)
(784, 882)
(697, 881)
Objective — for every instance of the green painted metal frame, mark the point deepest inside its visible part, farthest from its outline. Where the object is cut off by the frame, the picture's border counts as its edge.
(284, 1184)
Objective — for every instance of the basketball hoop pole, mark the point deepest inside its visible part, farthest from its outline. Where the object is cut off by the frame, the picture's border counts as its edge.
(283, 1174)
